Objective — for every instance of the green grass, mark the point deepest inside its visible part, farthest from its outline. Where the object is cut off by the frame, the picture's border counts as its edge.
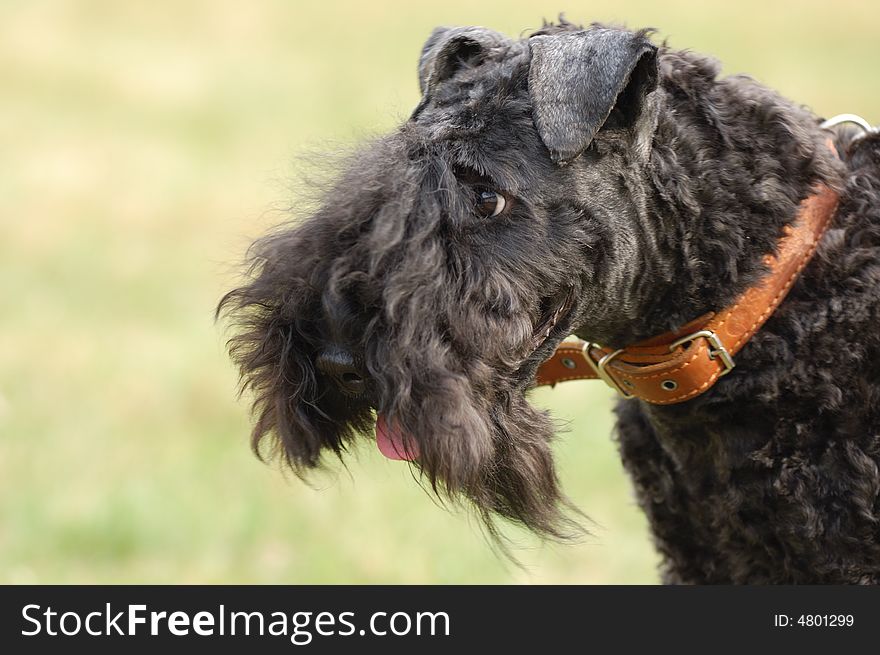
(142, 145)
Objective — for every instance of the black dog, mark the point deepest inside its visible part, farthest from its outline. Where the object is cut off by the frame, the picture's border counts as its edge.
(588, 182)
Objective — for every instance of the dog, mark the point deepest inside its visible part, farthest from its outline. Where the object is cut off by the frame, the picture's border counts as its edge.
(586, 181)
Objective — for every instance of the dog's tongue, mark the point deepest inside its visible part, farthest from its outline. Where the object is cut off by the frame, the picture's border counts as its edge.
(393, 443)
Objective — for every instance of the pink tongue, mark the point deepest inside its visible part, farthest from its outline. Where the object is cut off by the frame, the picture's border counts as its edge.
(392, 443)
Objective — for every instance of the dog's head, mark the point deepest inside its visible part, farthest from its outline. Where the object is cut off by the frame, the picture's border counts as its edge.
(449, 260)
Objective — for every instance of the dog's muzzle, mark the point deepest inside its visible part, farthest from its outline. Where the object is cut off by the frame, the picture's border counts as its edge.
(339, 367)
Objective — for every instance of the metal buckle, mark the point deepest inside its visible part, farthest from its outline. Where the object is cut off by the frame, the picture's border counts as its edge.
(717, 349)
(599, 367)
(855, 120)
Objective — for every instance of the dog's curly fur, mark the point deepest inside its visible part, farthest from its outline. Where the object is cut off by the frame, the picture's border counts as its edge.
(665, 212)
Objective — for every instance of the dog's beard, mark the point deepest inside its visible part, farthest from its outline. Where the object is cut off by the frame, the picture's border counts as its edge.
(500, 459)
(470, 431)
(465, 425)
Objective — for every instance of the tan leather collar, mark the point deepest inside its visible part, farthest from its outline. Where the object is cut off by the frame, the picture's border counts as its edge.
(676, 366)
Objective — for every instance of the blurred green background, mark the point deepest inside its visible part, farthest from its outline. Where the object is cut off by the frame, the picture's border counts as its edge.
(142, 146)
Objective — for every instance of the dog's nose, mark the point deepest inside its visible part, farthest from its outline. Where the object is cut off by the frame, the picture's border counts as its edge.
(338, 365)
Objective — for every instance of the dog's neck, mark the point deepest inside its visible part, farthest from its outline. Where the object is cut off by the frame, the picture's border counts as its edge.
(731, 161)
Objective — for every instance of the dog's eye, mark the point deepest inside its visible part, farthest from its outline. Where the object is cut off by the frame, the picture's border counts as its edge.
(489, 203)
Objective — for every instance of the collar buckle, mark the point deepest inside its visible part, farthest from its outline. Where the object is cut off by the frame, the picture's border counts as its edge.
(599, 367)
(717, 349)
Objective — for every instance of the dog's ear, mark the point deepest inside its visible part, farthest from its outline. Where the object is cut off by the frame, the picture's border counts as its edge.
(577, 79)
(448, 49)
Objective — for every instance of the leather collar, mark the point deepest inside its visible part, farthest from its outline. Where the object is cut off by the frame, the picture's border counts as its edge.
(677, 366)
